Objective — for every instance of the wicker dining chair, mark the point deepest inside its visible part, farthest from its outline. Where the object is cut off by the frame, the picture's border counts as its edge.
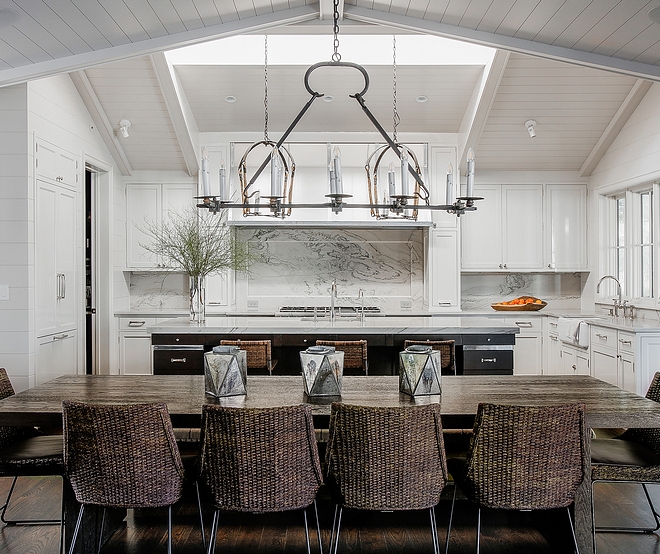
(26, 452)
(355, 353)
(447, 350)
(258, 353)
(121, 456)
(633, 457)
(259, 460)
(522, 458)
(385, 459)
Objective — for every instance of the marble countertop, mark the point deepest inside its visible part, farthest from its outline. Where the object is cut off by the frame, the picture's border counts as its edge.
(344, 325)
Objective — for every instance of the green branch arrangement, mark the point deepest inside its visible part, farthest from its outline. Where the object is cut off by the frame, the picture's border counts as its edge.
(196, 242)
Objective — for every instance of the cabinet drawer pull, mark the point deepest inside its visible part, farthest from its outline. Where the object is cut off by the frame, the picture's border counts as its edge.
(489, 360)
(524, 323)
(177, 360)
(444, 303)
(553, 324)
(554, 337)
(136, 323)
(60, 337)
(601, 336)
(622, 341)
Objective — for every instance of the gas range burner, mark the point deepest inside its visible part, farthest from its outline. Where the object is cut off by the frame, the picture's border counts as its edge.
(325, 310)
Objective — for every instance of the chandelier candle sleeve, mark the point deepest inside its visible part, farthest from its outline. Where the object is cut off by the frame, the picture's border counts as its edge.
(224, 192)
(391, 181)
(449, 197)
(404, 172)
(206, 186)
(337, 167)
(470, 173)
(275, 175)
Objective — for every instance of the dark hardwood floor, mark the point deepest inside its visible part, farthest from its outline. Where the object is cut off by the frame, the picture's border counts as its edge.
(362, 533)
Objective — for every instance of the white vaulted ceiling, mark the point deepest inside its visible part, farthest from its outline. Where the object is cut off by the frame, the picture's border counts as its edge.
(578, 67)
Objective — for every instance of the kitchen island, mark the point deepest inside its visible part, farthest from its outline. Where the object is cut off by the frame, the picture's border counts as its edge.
(289, 335)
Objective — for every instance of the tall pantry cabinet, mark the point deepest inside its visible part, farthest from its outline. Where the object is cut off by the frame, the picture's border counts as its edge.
(56, 280)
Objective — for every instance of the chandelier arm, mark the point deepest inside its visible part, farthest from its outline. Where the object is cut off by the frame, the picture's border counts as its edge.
(384, 134)
(279, 143)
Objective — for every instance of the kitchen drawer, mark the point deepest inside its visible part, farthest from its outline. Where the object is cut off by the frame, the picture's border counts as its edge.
(525, 324)
(304, 341)
(178, 360)
(489, 339)
(136, 323)
(626, 342)
(553, 325)
(487, 359)
(174, 339)
(603, 337)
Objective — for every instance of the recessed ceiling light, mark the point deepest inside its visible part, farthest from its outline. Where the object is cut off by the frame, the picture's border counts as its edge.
(328, 98)
(422, 98)
(654, 14)
(230, 99)
(8, 17)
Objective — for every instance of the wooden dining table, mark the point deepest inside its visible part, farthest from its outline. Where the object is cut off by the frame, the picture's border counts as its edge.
(607, 406)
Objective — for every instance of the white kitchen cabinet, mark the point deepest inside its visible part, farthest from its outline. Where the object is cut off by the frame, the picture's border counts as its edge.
(566, 227)
(528, 351)
(56, 355)
(553, 362)
(55, 164)
(506, 234)
(574, 360)
(55, 259)
(445, 271)
(135, 355)
(604, 354)
(151, 203)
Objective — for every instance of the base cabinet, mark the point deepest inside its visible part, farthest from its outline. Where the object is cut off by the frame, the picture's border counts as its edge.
(528, 351)
(135, 356)
(574, 361)
(56, 355)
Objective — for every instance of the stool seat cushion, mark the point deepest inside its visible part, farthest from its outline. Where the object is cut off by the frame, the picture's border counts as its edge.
(39, 455)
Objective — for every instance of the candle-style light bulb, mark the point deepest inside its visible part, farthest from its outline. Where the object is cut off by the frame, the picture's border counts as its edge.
(449, 198)
(275, 174)
(391, 181)
(336, 162)
(404, 172)
(224, 191)
(206, 184)
(470, 173)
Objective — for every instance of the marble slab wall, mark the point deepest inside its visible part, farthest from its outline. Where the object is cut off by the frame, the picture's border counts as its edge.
(560, 291)
(158, 291)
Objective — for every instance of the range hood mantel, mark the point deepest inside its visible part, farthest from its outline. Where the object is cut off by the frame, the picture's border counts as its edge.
(380, 224)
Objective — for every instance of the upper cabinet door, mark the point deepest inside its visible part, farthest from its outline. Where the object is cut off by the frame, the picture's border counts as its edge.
(566, 221)
(55, 164)
(522, 240)
(481, 231)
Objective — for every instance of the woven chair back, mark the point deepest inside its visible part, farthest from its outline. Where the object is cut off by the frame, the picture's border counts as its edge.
(9, 434)
(259, 459)
(386, 458)
(447, 350)
(258, 352)
(355, 351)
(121, 455)
(526, 457)
(648, 437)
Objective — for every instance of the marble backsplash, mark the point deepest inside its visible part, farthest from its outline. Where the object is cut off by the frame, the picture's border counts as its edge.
(560, 291)
(158, 291)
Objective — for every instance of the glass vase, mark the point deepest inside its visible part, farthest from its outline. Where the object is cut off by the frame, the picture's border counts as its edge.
(197, 299)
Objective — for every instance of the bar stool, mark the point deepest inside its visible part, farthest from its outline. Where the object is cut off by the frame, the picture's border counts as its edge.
(447, 350)
(355, 353)
(258, 353)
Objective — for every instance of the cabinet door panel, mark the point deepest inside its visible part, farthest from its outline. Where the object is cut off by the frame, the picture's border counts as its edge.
(527, 355)
(66, 259)
(46, 280)
(523, 228)
(135, 354)
(627, 376)
(605, 366)
(566, 235)
(481, 231)
(143, 203)
(56, 356)
(446, 281)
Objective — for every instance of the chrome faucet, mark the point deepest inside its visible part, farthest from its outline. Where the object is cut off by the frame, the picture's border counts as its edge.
(333, 295)
(617, 301)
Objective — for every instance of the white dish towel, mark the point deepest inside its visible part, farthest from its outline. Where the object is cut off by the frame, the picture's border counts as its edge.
(572, 330)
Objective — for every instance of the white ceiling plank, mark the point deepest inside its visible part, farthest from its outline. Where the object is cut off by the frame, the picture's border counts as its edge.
(175, 102)
(99, 18)
(513, 44)
(76, 20)
(494, 16)
(245, 8)
(169, 17)
(129, 22)
(260, 23)
(146, 16)
(189, 14)
(101, 121)
(617, 123)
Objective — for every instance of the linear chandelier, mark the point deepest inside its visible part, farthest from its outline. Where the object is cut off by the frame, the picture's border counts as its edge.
(393, 202)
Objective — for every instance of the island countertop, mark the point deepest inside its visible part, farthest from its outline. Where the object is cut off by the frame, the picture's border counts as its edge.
(371, 325)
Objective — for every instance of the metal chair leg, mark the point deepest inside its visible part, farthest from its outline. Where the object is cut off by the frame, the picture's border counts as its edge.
(335, 532)
(169, 529)
(434, 531)
(72, 546)
(100, 541)
(478, 527)
(318, 527)
(3, 509)
(451, 517)
(214, 530)
(572, 526)
(201, 517)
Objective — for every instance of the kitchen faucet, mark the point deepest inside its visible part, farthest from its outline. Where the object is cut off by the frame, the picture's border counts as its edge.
(617, 301)
(333, 295)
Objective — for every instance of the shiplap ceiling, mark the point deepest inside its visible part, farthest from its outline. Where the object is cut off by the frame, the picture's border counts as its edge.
(578, 67)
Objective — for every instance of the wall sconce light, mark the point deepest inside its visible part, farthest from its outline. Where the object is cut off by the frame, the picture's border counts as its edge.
(531, 124)
(124, 124)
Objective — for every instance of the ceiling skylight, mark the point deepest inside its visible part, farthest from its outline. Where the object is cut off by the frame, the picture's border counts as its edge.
(309, 49)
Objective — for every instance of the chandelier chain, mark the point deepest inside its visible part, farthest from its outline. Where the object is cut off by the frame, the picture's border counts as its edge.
(395, 114)
(336, 56)
(266, 139)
